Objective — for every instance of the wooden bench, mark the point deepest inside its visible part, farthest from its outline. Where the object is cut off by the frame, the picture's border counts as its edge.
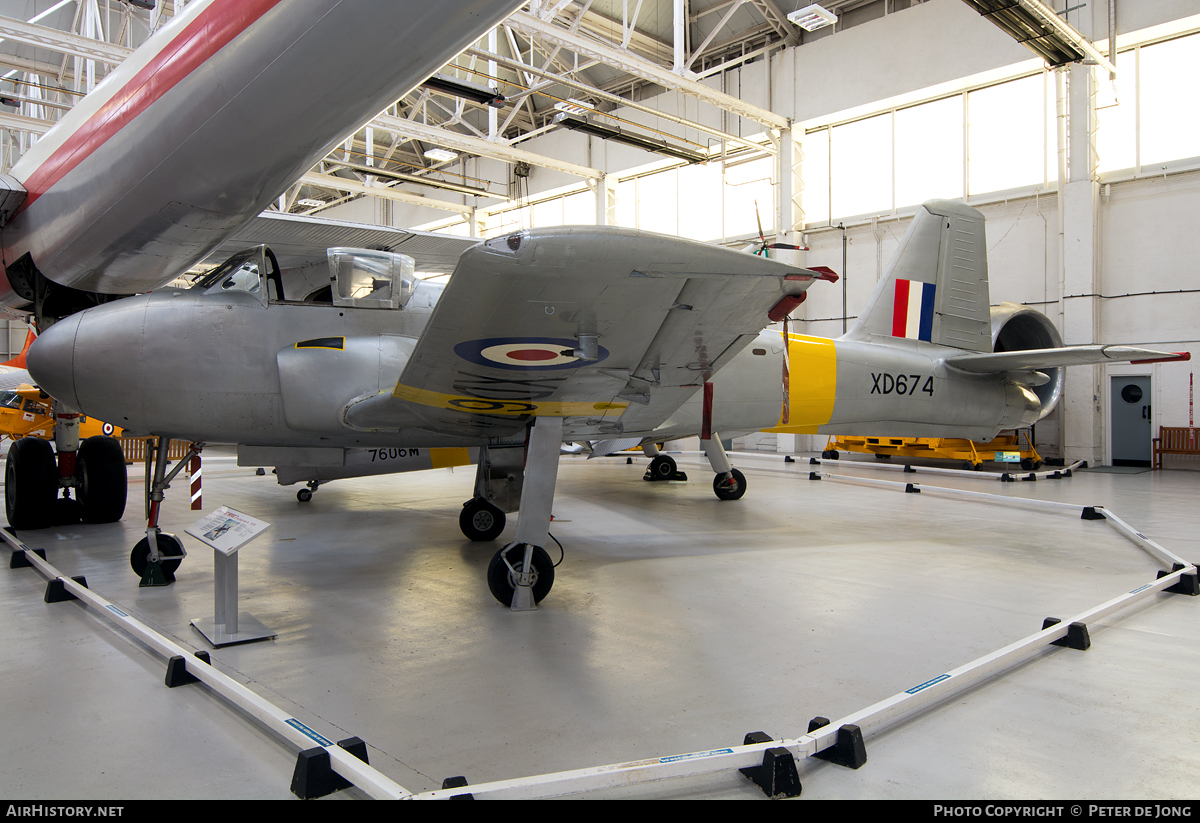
(1175, 440)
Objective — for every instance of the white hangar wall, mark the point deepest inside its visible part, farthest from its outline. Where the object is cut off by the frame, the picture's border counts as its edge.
(1131, 239)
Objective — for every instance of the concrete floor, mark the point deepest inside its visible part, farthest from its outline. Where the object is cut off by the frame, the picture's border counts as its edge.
(677, 623)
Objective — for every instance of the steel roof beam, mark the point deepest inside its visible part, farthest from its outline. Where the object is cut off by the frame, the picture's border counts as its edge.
(644, 69)
(329, 181)
(474, 145)
(614, 99)
(32, 34)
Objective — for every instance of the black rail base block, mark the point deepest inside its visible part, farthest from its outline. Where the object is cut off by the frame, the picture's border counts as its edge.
(18, 560)
(777, 776)
(314, 775)
(849, 750)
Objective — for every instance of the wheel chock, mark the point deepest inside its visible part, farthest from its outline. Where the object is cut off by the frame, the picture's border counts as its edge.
(1188, 583)
(911, 488)
(177, 673)
(314, 777)
(56, 592)
(155, 576)
(679, 477)
(848, 751)
(20, 561)
(457, 783)
(777, 776)
(1090, 513)
(1077, 635)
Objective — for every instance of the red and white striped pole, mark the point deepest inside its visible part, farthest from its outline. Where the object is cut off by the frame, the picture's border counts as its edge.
(194, 472)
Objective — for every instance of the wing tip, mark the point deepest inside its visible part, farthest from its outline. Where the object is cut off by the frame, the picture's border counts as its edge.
(1175, 357)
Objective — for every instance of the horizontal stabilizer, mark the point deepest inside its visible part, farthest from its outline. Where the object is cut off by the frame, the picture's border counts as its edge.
(1033, 359)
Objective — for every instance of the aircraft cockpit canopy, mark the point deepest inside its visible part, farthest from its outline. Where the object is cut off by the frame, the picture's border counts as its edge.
(250, 271)
(367, 279)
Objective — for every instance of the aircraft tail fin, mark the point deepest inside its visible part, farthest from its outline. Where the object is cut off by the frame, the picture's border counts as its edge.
(936, 286)
(19, 360)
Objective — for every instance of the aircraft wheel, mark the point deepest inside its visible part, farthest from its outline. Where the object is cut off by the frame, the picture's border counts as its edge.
(661, 468)
(1029, 465)
(500, 579)
(168, 546)
(304, 495)
(730, 488)
(30, 484)
(101, 480)
(879, 456)
(480, 520)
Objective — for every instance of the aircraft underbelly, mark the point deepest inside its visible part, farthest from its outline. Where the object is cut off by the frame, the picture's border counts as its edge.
(156, 192)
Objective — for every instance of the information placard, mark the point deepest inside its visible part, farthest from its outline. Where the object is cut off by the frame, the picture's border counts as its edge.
(226, 529)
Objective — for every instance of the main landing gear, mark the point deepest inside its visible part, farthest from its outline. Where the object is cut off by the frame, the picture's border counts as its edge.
(729, 484)
(521, 574)
(93, 471)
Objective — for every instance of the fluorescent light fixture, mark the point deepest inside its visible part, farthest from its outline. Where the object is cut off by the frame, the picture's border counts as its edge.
(440, 155)
(811, 18)
(573, 106)
(310, 202)
(467, 91)
(587, 126)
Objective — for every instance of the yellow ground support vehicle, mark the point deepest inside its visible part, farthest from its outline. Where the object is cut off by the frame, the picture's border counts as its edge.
(1006, 448)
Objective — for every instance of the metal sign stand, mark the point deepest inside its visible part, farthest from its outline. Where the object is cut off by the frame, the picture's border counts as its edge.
(227, 530)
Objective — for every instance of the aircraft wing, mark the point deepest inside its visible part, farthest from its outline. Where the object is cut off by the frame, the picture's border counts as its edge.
(11, 377)
(300, 241)
(1034, 359)
(610, 328)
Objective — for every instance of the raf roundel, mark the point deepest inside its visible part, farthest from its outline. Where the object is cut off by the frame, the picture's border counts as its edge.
(525, 353)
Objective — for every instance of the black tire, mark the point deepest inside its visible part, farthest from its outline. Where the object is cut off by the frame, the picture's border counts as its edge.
(30, 484)
(1027, 464)
(304, 495)
(879, 456)
(500, 578)
(661, 467)
(67, 511)
(829, 454)
(730, 490)
(480, 520)
(101, 480)
(168, 546)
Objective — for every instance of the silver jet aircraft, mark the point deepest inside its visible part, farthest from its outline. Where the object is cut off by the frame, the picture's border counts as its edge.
(188, 140)
(312, 347)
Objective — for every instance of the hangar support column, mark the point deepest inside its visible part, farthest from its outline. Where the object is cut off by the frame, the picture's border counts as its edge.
(788, 219)
(1079, 203)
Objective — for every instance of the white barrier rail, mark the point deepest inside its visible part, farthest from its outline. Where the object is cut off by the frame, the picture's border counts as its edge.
(835, 741)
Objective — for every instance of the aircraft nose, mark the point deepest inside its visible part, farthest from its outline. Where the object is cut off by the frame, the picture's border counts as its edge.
(51, 360)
